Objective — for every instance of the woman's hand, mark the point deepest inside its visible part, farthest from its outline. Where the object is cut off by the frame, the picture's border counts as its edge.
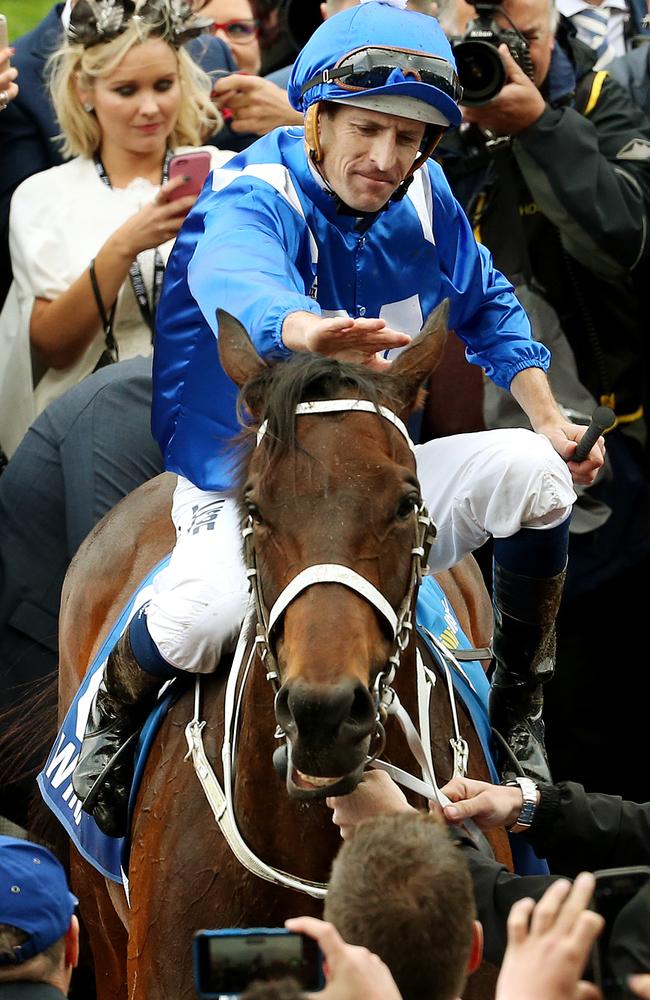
(155, 223)
(8, 88)
(256, 105)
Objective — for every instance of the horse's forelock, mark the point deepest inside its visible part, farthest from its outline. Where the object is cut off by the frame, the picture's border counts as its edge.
(274, 394)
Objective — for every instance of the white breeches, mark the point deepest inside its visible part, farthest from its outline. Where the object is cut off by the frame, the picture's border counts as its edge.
(474, 485)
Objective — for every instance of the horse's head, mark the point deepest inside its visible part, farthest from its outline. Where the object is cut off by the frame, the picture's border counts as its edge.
(331, 505)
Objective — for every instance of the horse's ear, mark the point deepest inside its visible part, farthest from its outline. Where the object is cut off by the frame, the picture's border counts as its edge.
(239, 358)
(417, 361)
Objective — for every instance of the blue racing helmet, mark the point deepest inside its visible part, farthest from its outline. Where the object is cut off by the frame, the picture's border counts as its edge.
(379, 56)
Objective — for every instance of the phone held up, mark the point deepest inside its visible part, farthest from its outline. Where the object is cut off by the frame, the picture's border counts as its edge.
(615, 887)
(4, 41)
(193, 167)
(227, 961)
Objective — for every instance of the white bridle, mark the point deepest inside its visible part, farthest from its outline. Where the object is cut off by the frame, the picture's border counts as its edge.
(400, 622)
(387, 702)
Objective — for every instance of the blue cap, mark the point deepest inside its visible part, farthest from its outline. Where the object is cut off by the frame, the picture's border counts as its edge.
(34, 896)
(372, 23)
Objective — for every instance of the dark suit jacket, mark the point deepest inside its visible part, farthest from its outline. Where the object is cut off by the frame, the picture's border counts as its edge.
(28, 126)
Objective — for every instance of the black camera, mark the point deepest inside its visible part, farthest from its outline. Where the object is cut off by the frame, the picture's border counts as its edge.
(478, 62)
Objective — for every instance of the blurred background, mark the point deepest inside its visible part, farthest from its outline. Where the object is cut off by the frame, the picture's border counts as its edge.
(23, 14)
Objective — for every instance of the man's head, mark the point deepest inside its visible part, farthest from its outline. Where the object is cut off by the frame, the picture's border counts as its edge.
(379, 58)
(39, 934)
(402, 889)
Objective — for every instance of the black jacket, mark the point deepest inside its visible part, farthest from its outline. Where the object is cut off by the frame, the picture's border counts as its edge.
(575, 831)
(563, 207)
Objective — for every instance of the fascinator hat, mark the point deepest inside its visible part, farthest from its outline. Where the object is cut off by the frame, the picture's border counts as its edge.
(93, 22)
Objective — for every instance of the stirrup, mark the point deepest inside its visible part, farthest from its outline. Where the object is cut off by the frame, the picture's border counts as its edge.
(91, 798)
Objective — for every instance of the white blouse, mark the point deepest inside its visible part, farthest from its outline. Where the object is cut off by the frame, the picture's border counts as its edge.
(60, 218)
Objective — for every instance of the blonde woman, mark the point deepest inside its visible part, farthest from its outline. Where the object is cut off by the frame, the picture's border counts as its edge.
(90, 239)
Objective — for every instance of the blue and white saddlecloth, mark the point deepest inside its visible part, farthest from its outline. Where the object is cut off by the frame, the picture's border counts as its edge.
(54, 781)
(109, 854)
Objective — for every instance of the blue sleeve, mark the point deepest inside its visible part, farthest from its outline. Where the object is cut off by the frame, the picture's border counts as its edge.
(253, 260)
(484, 311)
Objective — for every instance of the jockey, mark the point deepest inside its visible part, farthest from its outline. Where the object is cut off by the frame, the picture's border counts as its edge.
(341, 238)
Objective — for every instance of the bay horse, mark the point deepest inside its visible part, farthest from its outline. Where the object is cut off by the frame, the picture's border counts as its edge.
(335, 488)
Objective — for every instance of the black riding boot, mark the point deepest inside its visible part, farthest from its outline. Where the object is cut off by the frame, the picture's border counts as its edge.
(525, 609)
(103, 776)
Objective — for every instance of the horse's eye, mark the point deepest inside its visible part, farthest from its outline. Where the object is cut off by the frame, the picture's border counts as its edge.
(406, 507)
(254, 513)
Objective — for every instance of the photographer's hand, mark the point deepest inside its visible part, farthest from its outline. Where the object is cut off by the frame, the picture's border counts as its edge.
(351, 972)
(517, 105)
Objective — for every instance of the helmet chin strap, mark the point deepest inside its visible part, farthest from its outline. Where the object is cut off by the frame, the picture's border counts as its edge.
(432, 137)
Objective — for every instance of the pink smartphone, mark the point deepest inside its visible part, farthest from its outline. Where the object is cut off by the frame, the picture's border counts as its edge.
(194, 167)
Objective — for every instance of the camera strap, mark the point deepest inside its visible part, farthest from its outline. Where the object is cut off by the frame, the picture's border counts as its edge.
(499, 193)
(147, 308)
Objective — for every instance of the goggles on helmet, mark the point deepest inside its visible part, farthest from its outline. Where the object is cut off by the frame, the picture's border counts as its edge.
(373, 66)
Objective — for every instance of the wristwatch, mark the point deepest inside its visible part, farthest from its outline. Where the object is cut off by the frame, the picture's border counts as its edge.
(529, 792)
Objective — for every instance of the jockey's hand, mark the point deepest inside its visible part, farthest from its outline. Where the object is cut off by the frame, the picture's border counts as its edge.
(517, 105)
(350, 971)
(375, 795)
(564, 437)
(488, 805)
(359, 341)
(549, 944)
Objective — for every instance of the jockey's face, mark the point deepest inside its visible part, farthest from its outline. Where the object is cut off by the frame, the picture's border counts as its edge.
(366, 154)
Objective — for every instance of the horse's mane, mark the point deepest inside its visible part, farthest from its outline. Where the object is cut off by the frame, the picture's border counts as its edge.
(273, 394)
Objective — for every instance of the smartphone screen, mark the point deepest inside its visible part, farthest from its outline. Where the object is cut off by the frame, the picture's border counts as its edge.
(226, 962)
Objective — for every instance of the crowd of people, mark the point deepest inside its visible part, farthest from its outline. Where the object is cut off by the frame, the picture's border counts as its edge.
(334, 131)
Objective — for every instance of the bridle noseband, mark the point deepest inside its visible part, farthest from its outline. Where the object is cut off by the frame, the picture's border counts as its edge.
(400, 622)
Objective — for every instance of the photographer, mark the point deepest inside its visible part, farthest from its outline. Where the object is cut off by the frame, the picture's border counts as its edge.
(547, 174)
(554, 174)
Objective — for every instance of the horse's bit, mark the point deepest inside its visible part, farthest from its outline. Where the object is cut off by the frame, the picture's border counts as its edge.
(386, 700)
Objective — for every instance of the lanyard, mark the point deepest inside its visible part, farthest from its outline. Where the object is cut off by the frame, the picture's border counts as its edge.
(147, 311)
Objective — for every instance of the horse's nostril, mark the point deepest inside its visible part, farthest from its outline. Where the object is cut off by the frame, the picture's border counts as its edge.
(362, 709)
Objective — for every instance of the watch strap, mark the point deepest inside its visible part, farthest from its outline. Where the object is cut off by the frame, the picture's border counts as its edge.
(529, 794)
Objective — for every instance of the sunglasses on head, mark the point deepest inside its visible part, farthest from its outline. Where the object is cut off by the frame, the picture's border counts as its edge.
(367, 68)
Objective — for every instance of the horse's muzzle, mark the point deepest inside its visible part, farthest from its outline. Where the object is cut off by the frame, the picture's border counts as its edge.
(328, 730)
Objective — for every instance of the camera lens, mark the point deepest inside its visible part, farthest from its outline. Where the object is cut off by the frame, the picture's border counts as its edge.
(480, 71)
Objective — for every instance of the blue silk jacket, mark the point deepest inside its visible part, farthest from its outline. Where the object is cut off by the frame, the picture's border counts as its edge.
(265, 239)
